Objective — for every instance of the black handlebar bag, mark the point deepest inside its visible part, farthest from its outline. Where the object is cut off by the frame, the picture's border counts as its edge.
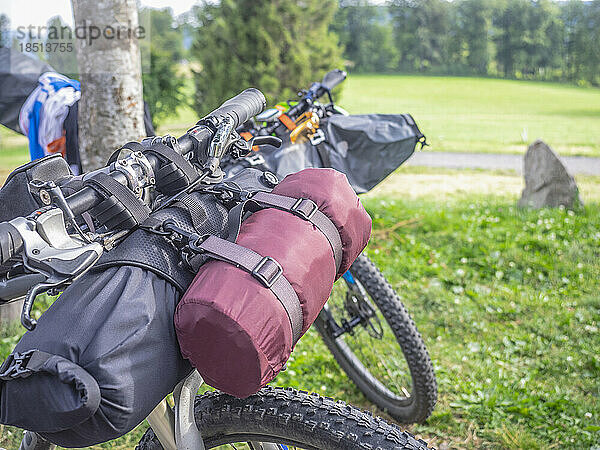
(366, 148)
(105, 353)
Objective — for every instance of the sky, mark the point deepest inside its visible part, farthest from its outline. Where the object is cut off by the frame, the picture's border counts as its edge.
(37, 12)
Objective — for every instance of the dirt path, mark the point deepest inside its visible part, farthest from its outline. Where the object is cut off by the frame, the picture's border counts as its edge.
(577, 165)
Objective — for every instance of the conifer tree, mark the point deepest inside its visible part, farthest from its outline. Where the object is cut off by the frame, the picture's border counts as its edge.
(278, 47)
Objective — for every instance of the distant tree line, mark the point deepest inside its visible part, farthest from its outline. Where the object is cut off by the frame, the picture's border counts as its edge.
(525, 39)
(281, 47)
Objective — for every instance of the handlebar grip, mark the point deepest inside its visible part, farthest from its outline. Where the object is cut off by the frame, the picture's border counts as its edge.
(243, 106)
(333, 78)
(11, 242)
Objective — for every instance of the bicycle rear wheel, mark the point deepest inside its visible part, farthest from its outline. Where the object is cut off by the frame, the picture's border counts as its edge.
(371, 335)
(289, 419)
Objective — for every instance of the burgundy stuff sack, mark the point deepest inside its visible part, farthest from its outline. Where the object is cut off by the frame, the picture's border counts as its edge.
(244, 312)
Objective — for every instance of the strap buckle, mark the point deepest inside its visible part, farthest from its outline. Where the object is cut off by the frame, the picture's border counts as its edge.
(264, 273)
(305, 208)
(15, 366)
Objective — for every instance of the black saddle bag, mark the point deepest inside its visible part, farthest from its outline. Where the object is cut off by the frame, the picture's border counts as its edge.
(105, 353)
(366, 148)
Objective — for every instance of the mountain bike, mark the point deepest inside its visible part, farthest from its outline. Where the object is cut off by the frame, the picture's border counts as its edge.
(364, 322)
(56, 245)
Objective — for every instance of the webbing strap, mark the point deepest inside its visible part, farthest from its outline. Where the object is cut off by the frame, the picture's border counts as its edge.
(111, 187)
(304, 208)
(236, 217)
(323, 153)
(21, 365)
(10, 241)
(132, 146)
(197, 212)
(167, 153)
(265, 269)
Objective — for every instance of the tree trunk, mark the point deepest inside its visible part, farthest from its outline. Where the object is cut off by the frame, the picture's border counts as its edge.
(10, 312)
(111, 106)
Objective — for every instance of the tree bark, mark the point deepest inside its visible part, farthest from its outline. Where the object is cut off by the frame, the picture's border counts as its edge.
(111, 106)
(10, 312)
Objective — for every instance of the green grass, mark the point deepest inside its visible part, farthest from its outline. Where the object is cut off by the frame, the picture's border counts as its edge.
(456, 114)
(484, 115)
(14, 151)
(507, 302)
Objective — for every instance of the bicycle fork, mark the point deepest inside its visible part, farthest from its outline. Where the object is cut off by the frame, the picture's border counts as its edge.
(176, 429)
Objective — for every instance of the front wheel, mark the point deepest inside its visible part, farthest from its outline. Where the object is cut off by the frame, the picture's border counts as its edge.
(289, 419)
(373, 338)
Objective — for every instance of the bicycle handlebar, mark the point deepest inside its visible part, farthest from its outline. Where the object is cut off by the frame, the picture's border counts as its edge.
(240, 108)
(333, 78)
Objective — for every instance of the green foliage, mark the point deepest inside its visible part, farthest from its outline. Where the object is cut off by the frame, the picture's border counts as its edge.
(278, 47)
(472, 27)
(375, 51)
(164, 34)
(421, 30)
(524, 39)
(162, 86)
(162, 83)
(528, 38)
(506, 300)
(61, 61)
(582, 28)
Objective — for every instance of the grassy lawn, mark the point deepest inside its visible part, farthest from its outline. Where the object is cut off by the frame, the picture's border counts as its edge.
(456, 114)
(507, 302)
(484, 115)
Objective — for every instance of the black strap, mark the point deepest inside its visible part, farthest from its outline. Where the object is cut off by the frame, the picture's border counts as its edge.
(323, 154)
(265, 269)
(21, 365)
(10, 241)
(302, 207)
(197, 212)
(119, 199)
(167, 153)
(236, 217)
(133, 146)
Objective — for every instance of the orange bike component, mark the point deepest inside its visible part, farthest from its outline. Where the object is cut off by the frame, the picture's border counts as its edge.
(246, 135)
(306, 126)
(289, 123)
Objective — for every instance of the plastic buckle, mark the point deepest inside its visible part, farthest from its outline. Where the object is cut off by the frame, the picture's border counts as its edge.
(299, 208)
(267, 282)
(15, 366)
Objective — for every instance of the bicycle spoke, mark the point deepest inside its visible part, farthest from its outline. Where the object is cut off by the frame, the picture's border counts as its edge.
(372, 341)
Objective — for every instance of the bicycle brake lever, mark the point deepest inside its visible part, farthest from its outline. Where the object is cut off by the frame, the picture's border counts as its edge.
(49, 250)
(265, 140)
(242, 148)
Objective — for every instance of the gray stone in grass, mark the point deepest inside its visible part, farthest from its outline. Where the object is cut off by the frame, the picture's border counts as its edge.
(547, 182)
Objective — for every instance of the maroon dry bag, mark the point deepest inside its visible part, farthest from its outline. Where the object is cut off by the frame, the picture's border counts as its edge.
(244, 312)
